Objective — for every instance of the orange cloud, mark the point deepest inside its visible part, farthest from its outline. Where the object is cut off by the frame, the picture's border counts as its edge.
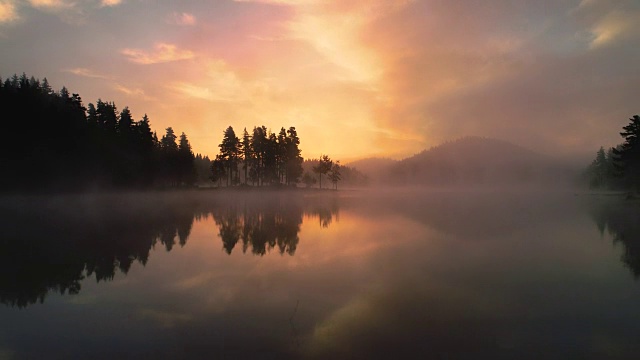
(8, 12)
(614, 26)
(53, 5)
(163, 53)
(105, 3)
(220, 84)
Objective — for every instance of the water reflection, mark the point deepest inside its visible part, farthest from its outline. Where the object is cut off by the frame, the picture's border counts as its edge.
(260, 227)
(619, 218)
(51, 244)
(401, 275)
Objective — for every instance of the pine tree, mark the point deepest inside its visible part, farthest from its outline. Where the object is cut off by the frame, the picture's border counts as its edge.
(186, 161)
(230, 153)
(628, 154)
(294, 159)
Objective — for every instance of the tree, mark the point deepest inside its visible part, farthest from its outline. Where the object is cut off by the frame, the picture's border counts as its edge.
(308, 179)
(169, 157)
(281, 155)
(246, 150)
(627, 156)
(125, 123)
(203, 168)
(270, 159)
(186, 161)
(293, 159)
(218, 169)
(323, 167)
(334, 174)
(168, 141)
(598, 170)
(230, 153)
(145, 145)
(260, 145)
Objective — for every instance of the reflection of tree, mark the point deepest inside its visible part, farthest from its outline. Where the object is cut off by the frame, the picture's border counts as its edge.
(51, 244)
(620, 219)
(326, 209)
(260, 225)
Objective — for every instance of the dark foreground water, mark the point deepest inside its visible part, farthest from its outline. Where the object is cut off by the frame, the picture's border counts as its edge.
(339, 275)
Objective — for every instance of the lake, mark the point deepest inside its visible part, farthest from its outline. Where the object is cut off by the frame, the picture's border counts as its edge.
(355, 274)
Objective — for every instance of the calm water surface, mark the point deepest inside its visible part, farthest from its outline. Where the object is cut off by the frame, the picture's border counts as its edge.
(350, 274)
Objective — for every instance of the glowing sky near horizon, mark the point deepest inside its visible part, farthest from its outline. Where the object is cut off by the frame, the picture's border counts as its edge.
(356, 78)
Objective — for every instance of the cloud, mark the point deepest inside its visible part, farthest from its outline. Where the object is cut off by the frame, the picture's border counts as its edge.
(51, 5)
(163, 53)
(519, 72)
(86, 73)
(133, 92)
(615, 26)
(221, 85)
(182, 19)
(334, 30)
(107, 3)
(8, 11)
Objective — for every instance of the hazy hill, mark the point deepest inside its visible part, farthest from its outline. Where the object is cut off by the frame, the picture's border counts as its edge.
(469, 161)
(374, 168)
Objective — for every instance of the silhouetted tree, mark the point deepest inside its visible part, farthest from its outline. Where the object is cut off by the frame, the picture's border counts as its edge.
(627, 156)
(246, 150)
(308, 179)
(598, 170)
(334, 174)
(260, 146)
(323, 167)
(218, 170)
(293, 158)
(186, 158)
(169, 157)
(145, 146)
(230, 153)
(203, 168)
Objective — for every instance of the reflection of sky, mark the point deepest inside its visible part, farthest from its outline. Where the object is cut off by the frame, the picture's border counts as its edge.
(380, 280)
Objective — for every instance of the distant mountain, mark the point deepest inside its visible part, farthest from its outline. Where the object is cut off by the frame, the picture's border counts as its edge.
(470, 161)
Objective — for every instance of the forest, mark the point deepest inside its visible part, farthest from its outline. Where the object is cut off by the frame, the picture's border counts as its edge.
(65, 146)
(61, 145)
(617, 168)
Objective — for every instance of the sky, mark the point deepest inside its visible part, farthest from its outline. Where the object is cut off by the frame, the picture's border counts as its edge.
(357, 78)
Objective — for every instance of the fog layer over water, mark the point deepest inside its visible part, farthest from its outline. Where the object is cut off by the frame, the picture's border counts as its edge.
(326, 275)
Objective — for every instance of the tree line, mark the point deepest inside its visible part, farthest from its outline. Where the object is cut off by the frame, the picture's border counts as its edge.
(63, 145)
(618, 168)
(264, 158)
